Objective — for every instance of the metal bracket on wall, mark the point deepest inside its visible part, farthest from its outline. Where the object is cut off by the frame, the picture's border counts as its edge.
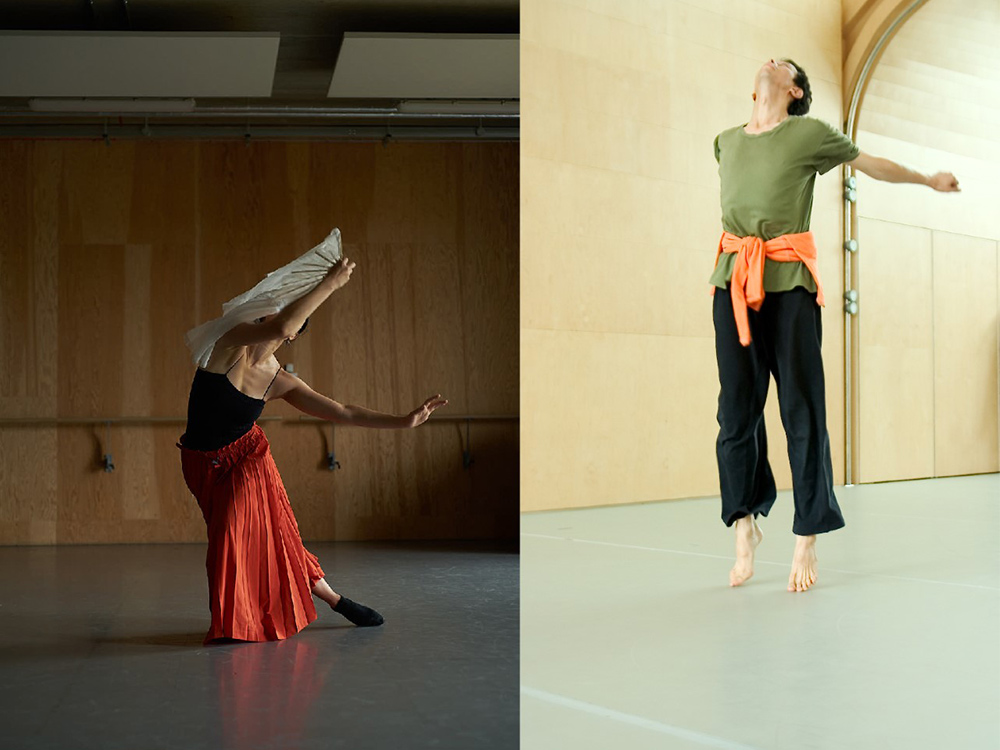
(851, 301)
(332, 464)
(851, 189)
(109, 464)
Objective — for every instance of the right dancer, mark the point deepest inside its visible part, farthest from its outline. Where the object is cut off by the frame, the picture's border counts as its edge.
(768, 169)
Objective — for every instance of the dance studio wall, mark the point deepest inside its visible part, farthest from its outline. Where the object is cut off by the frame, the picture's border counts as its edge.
(864, 22)
(621, 100)
(928, 263)
(110, 254)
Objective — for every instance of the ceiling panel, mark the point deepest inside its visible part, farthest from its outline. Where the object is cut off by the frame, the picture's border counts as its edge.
(427, 66)
(127, 64)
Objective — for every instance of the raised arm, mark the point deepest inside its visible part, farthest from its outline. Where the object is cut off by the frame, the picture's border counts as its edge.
(889, 171)
(305, 399)
(291, 318)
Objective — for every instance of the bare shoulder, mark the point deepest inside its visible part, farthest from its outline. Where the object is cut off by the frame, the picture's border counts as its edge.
(285, 384)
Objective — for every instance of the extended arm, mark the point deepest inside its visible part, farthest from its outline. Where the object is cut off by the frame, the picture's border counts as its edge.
(889, 171)
(306, 400)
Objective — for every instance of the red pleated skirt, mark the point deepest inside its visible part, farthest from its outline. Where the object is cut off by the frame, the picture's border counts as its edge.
(260, 575)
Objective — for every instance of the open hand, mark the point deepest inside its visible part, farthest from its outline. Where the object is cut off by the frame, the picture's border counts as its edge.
(944, 182)
(421, 414)
(341, 272)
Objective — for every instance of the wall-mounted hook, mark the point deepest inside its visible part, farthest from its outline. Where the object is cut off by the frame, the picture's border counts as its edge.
(109, 464)
(332, 464)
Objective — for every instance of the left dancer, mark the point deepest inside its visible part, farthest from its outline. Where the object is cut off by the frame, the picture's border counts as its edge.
(260, 575)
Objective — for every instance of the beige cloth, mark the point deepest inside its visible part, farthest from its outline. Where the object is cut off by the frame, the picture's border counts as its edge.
(270, 296)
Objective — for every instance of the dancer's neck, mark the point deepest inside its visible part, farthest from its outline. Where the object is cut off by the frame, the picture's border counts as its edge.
(769, 111)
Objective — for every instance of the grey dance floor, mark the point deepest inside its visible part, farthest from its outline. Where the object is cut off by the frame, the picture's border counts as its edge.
(102, 649)
(631, 636)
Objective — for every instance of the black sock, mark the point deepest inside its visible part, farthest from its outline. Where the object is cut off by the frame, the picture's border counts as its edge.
(359, 614)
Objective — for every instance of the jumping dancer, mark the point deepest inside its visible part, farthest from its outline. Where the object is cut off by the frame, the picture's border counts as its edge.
(767, 321)
(260, 576)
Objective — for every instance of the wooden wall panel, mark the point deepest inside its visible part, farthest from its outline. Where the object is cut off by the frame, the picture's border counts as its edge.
(896, 352)
(932, 103)
(108, 255)
(29, 260)
(965, 355)
(488, 267)
(620, 220)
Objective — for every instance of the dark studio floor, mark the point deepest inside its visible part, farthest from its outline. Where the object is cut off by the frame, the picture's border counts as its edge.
(103, 649)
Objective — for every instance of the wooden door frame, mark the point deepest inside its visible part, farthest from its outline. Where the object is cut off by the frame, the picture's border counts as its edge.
(897, 12)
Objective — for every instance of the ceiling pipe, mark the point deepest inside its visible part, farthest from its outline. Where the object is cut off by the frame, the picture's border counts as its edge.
(257, 133)
(269, 112)
(265, 113)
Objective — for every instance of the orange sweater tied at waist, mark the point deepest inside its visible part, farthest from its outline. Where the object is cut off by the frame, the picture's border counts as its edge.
(747, 283)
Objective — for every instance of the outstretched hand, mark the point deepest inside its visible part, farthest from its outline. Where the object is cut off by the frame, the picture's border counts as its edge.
(341, 272)
(423, 412)
(944, 182)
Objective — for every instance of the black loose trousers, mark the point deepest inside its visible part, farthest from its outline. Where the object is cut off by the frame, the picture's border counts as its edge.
(787, 334)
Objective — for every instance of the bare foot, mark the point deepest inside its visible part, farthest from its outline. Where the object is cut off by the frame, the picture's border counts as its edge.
(748, 536)
(803, 573)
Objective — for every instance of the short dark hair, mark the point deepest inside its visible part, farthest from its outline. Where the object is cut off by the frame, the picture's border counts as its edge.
(800, 106)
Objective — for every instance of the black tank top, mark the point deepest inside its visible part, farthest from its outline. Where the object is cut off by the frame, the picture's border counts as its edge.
(219, 413)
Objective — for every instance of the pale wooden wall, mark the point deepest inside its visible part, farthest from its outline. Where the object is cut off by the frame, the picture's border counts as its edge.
(928, 266)
(621, 100)
(109, 255)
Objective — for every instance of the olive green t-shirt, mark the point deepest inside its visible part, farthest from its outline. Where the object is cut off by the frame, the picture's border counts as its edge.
(767, 188)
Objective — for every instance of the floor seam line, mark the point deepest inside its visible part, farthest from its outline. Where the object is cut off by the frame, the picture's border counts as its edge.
(757, 562)
(632, 719)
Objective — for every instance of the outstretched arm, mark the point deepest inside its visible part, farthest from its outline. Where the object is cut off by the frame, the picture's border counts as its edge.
(306, 400)
(889, 171)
